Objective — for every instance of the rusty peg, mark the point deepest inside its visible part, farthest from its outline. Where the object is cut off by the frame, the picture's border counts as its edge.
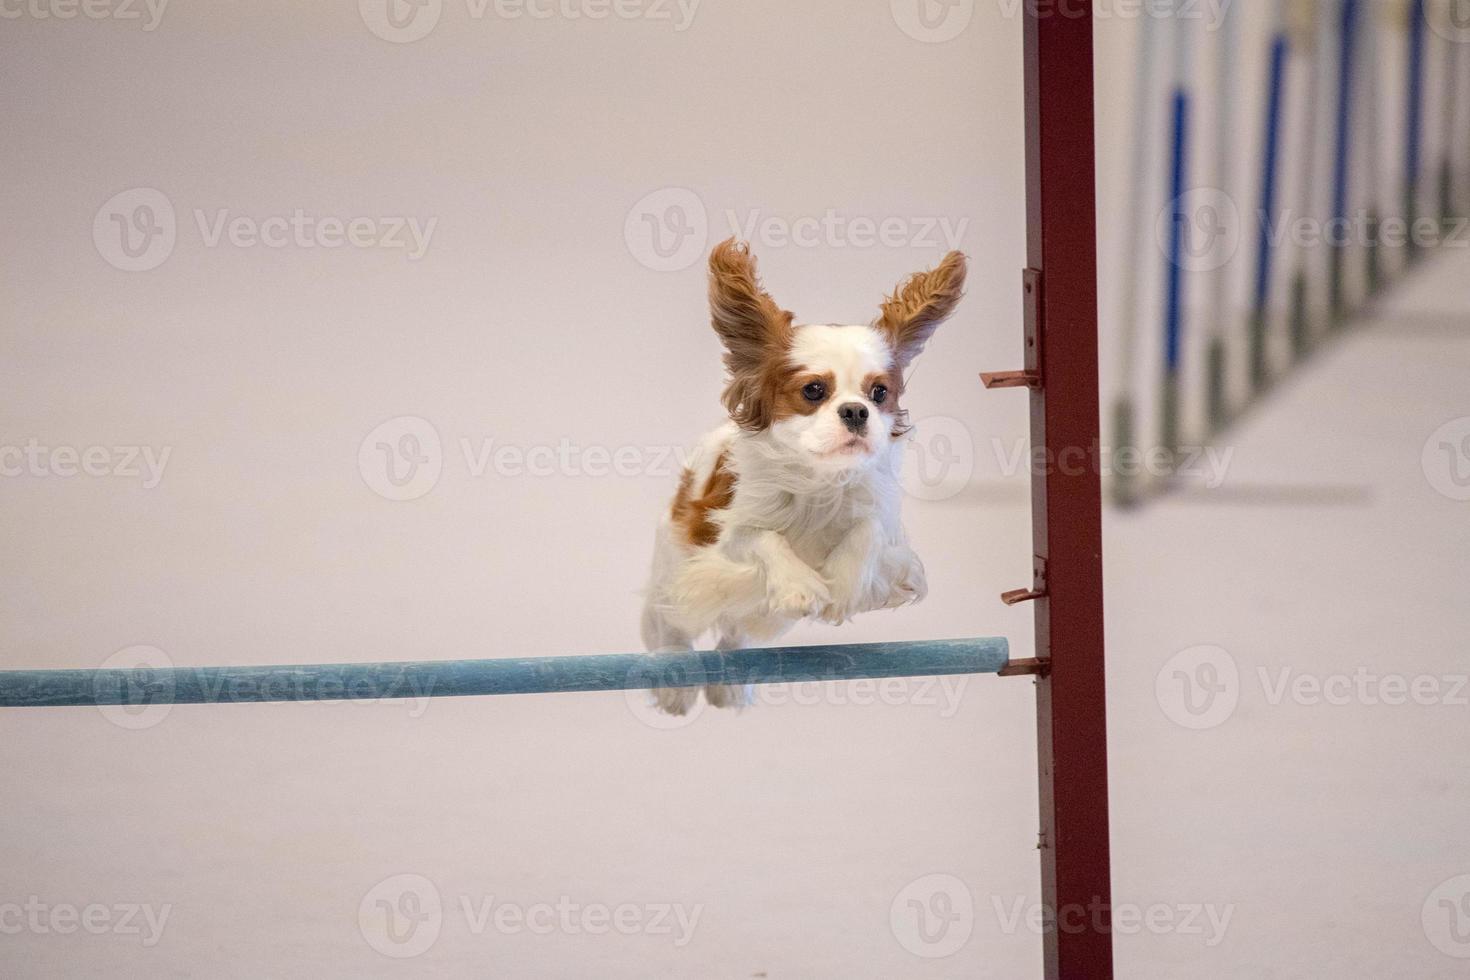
(1011, 379)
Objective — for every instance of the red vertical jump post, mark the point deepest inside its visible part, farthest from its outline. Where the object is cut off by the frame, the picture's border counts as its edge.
(1061, 372)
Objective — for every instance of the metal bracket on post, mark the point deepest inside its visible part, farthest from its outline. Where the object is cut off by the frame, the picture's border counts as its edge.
(1030, 377)
(1031, 666)
(1038, 585)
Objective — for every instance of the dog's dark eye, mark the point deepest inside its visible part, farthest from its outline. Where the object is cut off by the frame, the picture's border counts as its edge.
(814, 392)
(879, 394)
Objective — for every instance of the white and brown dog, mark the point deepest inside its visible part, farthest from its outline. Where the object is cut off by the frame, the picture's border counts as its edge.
(790, 510)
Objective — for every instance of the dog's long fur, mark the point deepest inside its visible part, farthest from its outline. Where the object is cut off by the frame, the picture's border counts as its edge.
(789, 511)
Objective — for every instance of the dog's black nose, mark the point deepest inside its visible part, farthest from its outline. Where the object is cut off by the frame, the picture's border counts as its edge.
(854, 415)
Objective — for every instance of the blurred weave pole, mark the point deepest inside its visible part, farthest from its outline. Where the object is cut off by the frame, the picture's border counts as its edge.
(1267, 217)
(1227, 56)
(1454, 60)
(1180, 226)
(1372, 131)
(1342, 158)
(1361, 156)
(1135, 244)
(527, 675)
(1414, 116)
(1313, 35)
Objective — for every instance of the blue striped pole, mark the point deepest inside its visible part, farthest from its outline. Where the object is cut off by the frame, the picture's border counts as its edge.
(1270, 170)
(1372, 154)
(1317, 38)
(530, 675)
(1174, 312)
(1222, 314)
(1348, 28)
(1413, 153)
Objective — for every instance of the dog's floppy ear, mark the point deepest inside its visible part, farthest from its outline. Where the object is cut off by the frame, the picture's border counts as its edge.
(755, 331)
(919, 305)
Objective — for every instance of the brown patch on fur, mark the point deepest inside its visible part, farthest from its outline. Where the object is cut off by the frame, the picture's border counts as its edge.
(755, 331)
(891, 379)
(919, 305)
(786, 398)
(691, 514)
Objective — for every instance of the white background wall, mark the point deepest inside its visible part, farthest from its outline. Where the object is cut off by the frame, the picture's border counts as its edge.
(531, 319)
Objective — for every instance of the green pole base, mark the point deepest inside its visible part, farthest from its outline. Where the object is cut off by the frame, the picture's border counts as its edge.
(1375, 257)
(1169, 419)
(1301, 318)
(1125, 482)
(1338, 287)
(1260, 368)
(1446, 195)
(1217, 401)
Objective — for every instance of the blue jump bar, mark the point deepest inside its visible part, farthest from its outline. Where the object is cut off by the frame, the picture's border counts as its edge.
(527, 675)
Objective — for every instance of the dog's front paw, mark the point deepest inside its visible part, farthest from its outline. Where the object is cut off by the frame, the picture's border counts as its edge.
(911, 585)
(675, 701)
(797, 592)
(848, 599)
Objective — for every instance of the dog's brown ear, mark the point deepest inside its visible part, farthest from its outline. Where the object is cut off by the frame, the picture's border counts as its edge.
(920, 304)
(755, 331)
